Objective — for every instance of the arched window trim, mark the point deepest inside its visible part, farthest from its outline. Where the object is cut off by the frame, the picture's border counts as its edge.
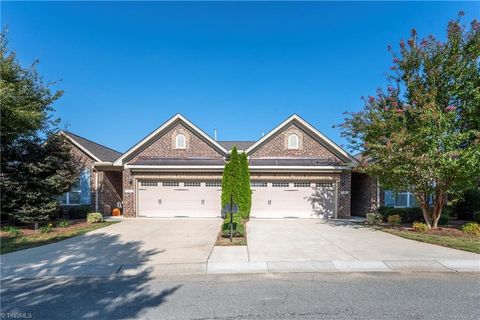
(293, 141)
(180, 141)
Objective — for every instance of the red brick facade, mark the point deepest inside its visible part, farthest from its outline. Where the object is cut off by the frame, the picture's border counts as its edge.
(277, 146)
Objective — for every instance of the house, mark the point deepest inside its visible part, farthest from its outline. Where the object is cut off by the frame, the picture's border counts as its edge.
(175, 171)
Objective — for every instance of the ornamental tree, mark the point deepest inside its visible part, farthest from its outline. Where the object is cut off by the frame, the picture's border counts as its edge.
(36, 163)
(230, 179)
(422, 134)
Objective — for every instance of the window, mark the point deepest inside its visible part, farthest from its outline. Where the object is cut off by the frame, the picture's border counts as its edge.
(170, 184)
(213, 184)
(80, 192)
(324, 184)
(191, 184)
(293, 141)
(258, 184)
(301, 184)
(280, 184)
(180, 141)
(400, 199)
(148, 183)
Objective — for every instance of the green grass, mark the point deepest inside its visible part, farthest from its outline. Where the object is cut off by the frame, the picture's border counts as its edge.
(467, 243)
(12, 242)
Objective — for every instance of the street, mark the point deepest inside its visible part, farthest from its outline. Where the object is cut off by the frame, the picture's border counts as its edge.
(266, 296)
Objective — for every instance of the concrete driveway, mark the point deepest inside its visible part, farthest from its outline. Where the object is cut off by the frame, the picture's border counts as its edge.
(136, 242)
(315, 240)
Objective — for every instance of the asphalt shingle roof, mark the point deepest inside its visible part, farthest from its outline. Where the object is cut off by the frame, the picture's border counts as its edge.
(101, 152)
(241, 145)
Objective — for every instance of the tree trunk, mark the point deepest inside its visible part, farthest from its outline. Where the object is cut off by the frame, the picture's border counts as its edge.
(422, 197)
(437, 208)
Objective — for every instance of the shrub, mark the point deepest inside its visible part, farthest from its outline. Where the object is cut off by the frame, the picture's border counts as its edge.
(238, 227)
(394, 219)
(419, 226)
(444, 218)
(469, 204)
(46, 228)
(14, 231)
(407, 214)
(94, 217)
(374, 218)
(77, 212)
(476, 216)
(472, 228)
(63, 223)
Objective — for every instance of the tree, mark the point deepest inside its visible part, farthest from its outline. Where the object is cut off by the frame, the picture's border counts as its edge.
(423, 133)
(245, 190)
(230, 180)
(36, 163)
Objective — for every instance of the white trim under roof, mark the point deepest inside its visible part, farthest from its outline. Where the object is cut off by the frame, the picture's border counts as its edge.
(163, 127)
(79, 146)
(324, 138)
(252, 168)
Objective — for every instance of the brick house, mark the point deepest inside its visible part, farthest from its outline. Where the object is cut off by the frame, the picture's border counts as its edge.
(176, 170)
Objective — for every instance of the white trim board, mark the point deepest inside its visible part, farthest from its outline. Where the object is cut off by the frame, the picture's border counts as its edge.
(79, 146)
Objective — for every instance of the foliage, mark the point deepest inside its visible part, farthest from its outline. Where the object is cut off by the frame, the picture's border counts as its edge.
(245, 204)
(46, 228)
(78, 212)
(238, 226)
(444, 219)
(472, 228)
(36, 164)
(374, 218)
(11, 229)
(94, 217)
(407, 214)
(422, 134)
(63, 223)
(468, 204)
(476, 216)
(394, 219)
(419, 226)
(230, 179)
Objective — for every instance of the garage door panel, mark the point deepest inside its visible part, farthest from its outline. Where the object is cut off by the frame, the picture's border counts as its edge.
(170, 199)
(298, 199)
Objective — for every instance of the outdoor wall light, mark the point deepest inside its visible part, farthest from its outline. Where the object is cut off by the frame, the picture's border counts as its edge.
(130, 181)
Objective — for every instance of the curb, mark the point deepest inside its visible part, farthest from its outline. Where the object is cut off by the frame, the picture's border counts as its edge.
(244, 267)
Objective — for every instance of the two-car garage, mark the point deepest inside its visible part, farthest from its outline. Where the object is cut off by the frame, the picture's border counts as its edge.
(202, 199)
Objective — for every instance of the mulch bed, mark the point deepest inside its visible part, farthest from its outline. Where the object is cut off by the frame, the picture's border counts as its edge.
(28, 230)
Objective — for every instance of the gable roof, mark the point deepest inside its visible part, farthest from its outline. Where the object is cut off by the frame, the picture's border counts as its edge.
(326, 142)
(241, 145)
(96, 151)
(166, 125)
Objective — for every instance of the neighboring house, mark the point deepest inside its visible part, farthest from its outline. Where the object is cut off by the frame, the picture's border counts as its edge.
(176, 170)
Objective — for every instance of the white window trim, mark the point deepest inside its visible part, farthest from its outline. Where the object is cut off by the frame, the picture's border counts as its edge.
(290, 142)
(177, 144)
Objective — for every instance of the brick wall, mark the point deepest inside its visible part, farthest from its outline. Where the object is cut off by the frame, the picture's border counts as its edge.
(164, 146)
(277, 146)
(364, 194)
(344, 194)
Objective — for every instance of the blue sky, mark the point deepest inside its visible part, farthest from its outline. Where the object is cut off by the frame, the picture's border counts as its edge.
(239, 67)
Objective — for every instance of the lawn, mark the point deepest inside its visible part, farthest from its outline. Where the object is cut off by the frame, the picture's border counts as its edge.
(28, 238)
(446, 237)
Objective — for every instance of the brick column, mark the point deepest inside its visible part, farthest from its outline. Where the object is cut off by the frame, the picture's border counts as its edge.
(128, 194)
(344, 199)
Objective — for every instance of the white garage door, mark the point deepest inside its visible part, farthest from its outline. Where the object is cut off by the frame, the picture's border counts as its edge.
(200, 199)
(292, 199)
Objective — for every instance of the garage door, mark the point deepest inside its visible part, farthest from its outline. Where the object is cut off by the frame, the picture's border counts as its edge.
(292, 199)
(201, 199)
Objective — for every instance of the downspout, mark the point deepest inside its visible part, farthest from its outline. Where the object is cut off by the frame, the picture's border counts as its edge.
(96, 189)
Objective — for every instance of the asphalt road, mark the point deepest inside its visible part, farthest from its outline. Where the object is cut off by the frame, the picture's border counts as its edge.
(269, 296)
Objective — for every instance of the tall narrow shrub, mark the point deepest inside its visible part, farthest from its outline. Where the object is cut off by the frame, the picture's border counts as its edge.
(230, 180)
(246, 192)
